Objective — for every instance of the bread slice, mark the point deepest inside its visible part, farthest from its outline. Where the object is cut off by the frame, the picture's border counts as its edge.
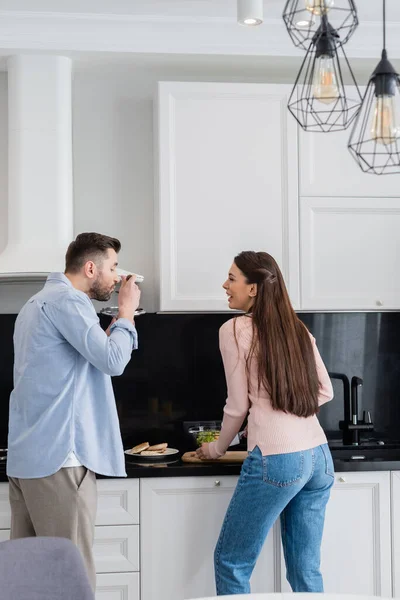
(139, 448)
(152, 452)
(157, 447)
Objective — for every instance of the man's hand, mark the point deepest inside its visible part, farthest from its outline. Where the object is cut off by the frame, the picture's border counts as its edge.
(128, 298)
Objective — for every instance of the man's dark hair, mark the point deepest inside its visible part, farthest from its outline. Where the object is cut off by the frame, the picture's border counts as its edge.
(89, 246)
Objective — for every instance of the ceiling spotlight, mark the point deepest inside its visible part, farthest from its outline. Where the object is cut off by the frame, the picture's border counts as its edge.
(305, 23)
(250, 12)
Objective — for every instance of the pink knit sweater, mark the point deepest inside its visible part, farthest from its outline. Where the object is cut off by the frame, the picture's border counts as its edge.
(273, 431)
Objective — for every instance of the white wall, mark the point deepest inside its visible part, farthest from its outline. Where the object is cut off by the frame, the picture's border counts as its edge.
(3, 159)
(114, 151)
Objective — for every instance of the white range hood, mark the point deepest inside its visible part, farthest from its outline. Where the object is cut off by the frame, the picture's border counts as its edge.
(40, 205)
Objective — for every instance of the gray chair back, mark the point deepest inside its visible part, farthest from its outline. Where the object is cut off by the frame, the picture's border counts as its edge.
(42, 568)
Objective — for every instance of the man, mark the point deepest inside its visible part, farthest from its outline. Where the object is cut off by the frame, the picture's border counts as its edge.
(63, 425)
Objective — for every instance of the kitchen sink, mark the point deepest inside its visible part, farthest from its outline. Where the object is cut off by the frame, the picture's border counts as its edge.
(366, 454)
(368, 450)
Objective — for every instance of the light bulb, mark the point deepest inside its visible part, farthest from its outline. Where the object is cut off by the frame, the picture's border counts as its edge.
(319, 7)
(251, 22)
(306, 23)
(384, 127)
(325, 88)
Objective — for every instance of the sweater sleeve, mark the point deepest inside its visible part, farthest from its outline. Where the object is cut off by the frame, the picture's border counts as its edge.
(237, 403)
(326, 389)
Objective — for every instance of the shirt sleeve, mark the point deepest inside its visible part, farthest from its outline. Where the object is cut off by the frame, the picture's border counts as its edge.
(326, 389)
(237, 403)
(76, 320)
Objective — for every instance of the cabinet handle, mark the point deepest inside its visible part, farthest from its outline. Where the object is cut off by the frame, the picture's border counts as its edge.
(342, 479)
(217, 483)
(379, 303)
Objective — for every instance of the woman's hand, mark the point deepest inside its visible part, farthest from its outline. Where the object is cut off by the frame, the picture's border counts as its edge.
(204, 451)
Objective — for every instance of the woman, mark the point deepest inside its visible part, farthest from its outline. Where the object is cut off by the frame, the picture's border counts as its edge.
(273, 371)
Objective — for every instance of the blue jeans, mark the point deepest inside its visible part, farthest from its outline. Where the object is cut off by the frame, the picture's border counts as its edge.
(295, 486)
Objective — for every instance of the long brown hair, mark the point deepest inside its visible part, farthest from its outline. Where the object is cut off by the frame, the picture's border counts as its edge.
(281, 343)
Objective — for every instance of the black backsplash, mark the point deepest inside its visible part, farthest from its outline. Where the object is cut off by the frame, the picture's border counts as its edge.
(177, 374)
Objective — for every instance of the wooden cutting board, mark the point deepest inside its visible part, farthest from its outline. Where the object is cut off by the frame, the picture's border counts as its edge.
(228, 457)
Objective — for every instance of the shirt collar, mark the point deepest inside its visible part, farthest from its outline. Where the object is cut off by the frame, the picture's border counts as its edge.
(60, 277)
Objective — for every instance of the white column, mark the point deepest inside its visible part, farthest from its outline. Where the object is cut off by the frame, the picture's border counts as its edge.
(40, 213)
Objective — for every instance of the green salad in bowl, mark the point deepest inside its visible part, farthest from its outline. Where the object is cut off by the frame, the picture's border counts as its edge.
(207, 436)
(202, 434)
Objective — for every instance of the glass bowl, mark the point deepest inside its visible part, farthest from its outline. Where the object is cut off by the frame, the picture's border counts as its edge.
(112, 311)
(202, 434)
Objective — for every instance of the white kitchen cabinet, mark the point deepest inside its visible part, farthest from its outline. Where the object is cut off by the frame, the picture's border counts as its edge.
(356, 547)
(328, 169)
(228, 173)
(118, 586)
(180, 523)
(116, 540)
(350, 251)
(180, 520)
(396, 532)
(116, 544)
(5, 511)
(4, 535)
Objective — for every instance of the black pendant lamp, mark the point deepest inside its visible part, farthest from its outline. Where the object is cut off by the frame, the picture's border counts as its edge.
(302, 19)
(375, 137)
(320, 101)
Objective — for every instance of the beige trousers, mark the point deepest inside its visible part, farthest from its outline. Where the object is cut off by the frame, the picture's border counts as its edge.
(62, 505)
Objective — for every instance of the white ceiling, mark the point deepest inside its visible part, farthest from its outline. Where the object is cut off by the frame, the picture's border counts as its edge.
(95, 28)
(369, 10)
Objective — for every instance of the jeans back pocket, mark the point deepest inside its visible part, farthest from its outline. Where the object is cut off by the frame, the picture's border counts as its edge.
(329, 468)
(283, 470)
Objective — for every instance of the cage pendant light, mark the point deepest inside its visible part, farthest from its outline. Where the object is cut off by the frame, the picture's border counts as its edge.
(302, 19)
(375, 138)
(320, 101)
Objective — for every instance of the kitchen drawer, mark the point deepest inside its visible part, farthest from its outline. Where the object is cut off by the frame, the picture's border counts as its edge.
(118, 586)
(5, 510)
(116, 549)
(118, 502)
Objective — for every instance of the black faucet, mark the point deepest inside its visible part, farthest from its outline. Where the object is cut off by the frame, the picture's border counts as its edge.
(351, 425)
(355, 425)
(346, 404)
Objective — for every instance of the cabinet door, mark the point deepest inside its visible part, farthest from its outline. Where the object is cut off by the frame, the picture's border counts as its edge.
(180, 523)
(5, 510)
(396, 532)
(228, 168)
(4, 535)
(117, 586)
(328, 169)
(350, 251)
(356, 547)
